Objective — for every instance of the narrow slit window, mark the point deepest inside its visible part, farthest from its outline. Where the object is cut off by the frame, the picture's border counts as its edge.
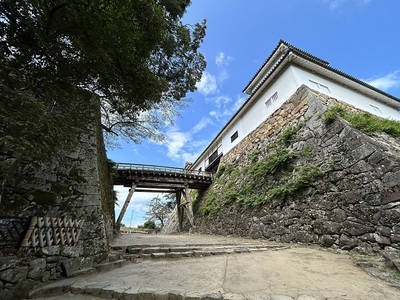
(213, 156)
(234, 136)
(320, 86)
(376, 108)
(271, 99)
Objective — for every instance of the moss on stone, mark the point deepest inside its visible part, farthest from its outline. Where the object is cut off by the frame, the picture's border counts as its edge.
(61, 189)
(75, 175)
(266, 178)
(44, 197)
(13, 202)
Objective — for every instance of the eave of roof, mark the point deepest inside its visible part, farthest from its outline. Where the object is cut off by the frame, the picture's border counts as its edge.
(287, 47)
(315, 60)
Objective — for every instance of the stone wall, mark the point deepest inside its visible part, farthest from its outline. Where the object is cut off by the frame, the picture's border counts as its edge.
(76, 185)
(355, 204)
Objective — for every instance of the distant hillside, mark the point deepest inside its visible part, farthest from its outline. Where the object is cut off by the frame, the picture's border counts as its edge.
(307, 175)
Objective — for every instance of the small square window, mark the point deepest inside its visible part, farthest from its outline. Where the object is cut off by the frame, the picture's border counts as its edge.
(234, 136)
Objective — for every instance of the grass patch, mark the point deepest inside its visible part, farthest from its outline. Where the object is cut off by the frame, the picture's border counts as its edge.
(363, 121)
(332, 113)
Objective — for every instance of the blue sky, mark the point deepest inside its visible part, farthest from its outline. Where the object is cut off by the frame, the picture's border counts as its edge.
(358, 37)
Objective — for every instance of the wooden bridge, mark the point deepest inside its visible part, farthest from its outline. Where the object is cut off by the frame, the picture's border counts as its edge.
(161, 179)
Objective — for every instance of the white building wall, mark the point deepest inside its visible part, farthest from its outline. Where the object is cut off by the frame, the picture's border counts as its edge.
(277, 93)
(285, 86)
(345, 94)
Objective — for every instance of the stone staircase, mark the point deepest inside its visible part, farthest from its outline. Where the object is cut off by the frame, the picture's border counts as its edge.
(138, 253)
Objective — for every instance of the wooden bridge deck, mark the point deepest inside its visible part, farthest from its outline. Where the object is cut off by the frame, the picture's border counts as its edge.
(161, 179)
(150, 177)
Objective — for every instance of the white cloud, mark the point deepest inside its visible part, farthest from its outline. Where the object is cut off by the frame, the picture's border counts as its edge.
(207, 84)
(176, 141)
(385, 82)
(182, 147)
(224, 109)
(222, 60)
(239, 102)
(334, 4)
(219, 101)
(204, 122)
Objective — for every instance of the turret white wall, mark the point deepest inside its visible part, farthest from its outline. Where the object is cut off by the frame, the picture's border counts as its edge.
(270, 98)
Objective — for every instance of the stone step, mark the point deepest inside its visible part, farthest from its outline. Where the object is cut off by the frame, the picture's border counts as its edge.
(136, 253)
(148, 249)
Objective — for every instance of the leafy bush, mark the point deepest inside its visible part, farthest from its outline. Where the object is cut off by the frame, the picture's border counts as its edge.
(224, 169)
(301, 178)
(287, 135)
(253, 156)
(210, 204)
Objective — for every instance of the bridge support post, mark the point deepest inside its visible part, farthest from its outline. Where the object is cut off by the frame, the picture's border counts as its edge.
(189, 207)
(179, 208)
(123, 210)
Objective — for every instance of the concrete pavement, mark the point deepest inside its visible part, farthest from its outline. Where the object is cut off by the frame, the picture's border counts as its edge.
(289, 273)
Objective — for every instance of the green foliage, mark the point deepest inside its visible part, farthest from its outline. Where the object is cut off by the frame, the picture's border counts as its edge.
(136, 56)
(363, 121)
(287, 135)
(301, 178)
(253, 156)
(149, 225)
(224, 169)
(275, 177)
(279, 157)
(220, 171)
(332, 113)
(369, 123)
(306, 151)
(196, 196)
(64, 61)
(230, 195)
(159, 209)
(210, 203)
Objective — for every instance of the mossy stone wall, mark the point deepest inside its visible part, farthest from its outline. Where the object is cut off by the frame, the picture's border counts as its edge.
(353, 203)
(74, 185)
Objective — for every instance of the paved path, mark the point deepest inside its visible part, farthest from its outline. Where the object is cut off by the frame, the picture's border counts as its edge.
(286, 274)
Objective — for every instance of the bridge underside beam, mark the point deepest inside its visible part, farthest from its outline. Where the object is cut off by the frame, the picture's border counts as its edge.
(154, 191)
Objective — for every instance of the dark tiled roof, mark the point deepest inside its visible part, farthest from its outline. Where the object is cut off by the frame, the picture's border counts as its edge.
(290, 47)
(316, 60)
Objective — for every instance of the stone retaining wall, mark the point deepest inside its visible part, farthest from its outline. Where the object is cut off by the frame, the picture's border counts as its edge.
(75, 186)
(355, 204)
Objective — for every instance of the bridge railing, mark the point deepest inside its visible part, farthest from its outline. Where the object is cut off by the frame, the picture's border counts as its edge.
(164, 169)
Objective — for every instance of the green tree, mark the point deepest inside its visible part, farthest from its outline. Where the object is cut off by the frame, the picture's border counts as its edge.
(149, 225)
(159, 209)
(133, 59)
